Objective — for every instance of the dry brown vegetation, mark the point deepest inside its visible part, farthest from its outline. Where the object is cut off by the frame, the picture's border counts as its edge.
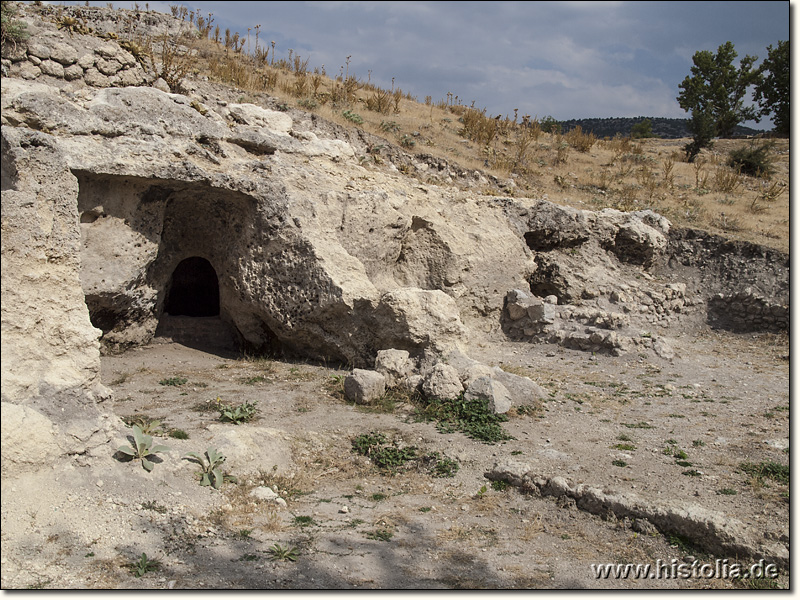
(575, 168)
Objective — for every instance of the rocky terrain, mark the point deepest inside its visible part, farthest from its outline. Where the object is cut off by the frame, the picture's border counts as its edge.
(157, 246)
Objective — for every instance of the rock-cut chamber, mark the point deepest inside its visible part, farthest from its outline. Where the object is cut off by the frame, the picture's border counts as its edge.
(194, 289)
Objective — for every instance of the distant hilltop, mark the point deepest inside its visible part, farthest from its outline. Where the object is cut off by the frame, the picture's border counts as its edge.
(662, 127)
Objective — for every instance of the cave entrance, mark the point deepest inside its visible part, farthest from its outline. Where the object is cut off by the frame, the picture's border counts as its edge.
(194, 289)
(191, 314)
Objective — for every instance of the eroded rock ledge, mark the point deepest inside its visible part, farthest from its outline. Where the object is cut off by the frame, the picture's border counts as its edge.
(709, 530)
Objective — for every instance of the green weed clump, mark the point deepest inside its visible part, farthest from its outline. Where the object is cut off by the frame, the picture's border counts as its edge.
(143, 565)
(12, 31)
(174, 381)
(471, 417)
(770, 470)
(239, 413)
(389, 458)
(386, 456)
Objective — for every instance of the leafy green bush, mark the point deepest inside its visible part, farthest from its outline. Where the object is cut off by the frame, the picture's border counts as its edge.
(354, 117)
(174, 381)
(753, 160)
(441, 466)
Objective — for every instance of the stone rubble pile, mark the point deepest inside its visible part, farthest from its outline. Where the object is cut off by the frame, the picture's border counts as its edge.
(442, 377)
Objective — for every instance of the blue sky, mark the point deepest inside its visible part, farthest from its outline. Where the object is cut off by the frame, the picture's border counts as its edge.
(564, 59)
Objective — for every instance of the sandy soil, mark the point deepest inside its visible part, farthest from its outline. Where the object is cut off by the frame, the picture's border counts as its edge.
(723, 400)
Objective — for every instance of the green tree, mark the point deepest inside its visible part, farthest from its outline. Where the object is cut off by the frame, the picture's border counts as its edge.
(550, 125)
(642, 129)
(715, 95)
(772, 92)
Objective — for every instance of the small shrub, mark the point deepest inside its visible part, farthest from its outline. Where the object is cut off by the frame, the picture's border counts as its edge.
(353, 117)
(178, 434)
(155, 507)
(304, 521)
(174, 381)
(500, 486)
(406, 141)
(639, 425)
(381, 534)
(442, 466)
(753, 160)
(582, 142)
(307, 103)
(727, 492)
(12, 31)
(629, 447)
(619, 463)
(390, 126)
(387, 457)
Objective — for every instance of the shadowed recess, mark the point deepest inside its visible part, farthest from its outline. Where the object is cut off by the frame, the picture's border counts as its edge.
(194, 289)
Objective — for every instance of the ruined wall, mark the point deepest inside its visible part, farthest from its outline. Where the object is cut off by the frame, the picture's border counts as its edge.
(746, 285)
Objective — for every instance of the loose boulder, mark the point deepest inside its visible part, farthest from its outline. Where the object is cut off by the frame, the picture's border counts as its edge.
(364, 387)
(495, 393)
(442, 383)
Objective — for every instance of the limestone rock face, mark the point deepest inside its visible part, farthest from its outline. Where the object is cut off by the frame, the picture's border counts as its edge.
(29, 439)
(125, 205)
(47, 338)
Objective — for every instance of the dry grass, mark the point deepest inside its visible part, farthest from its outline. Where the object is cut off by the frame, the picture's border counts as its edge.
(574, 169)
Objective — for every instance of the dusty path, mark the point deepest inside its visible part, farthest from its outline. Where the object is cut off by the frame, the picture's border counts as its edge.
(722, 401)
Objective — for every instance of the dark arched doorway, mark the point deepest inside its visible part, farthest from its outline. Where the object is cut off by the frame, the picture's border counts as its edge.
(194, 289)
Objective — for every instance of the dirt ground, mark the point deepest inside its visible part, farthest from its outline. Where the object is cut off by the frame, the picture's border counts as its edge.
(723, 400)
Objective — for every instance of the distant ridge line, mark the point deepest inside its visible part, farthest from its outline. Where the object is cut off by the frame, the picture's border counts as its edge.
(662, 127)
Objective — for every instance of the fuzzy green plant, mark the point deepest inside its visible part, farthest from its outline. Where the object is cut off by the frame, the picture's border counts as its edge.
(211, 467)
(283, 553)
(353, 117)
(143, 565)
(142, 449)
(239, 413)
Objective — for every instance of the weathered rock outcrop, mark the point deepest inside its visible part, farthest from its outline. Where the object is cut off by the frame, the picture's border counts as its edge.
(126, 205)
